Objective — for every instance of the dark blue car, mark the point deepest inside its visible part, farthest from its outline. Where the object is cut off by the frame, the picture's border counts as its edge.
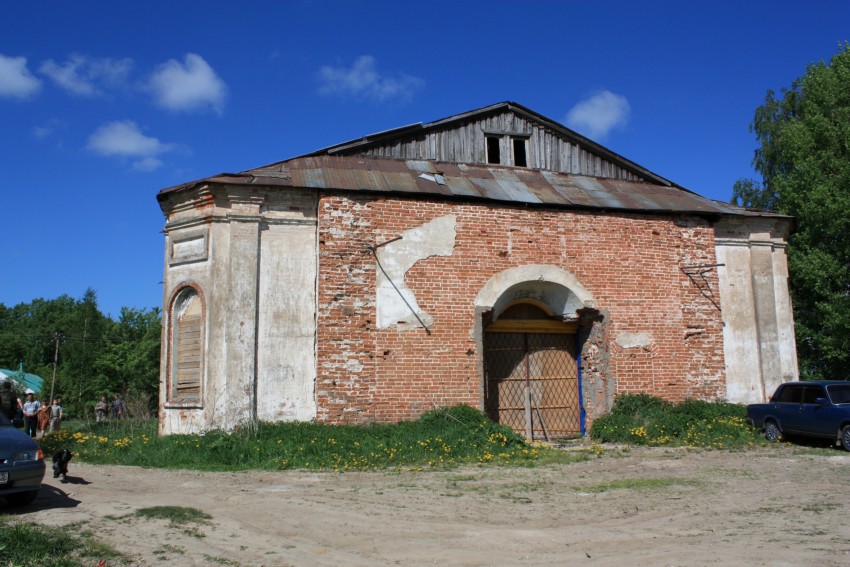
(816, 409)
(21, 465)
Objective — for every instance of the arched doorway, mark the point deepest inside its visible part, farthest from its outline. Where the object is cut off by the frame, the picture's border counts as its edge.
(532, 380)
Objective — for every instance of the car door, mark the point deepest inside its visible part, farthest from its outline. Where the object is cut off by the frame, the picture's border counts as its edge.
(788, 405)
(816, 418)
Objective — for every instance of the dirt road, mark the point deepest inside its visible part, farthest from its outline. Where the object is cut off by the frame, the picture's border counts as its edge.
(779, 505)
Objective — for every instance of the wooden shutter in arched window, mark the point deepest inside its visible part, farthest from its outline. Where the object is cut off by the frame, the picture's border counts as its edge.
(188, 338)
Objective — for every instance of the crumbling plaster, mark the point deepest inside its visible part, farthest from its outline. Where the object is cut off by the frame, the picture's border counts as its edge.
(556, 287)
(396, 306)
(758, 332)
(259, 293)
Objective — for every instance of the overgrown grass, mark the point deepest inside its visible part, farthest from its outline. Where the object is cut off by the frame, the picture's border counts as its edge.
(441, 438)
(641, 419)
(27, 544)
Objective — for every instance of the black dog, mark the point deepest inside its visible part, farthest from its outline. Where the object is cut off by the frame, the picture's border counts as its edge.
(61, 459)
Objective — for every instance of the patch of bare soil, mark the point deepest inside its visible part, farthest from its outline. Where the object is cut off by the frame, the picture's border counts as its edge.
(781, 505)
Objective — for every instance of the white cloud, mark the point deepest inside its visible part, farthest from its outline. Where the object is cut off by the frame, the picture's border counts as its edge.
(598, 114)
(82, 75)
(47, 129)
(147, 164)
(363, 81)
(189, 86)
(15, 79)
(124, 139)
(42, 132)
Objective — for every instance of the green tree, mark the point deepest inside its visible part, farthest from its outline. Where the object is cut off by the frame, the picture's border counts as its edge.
(804, 160)
(129, 361)
(97, 355)
(747, 193)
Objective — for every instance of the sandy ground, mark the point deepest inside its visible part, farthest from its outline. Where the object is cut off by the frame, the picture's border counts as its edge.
(782, 505)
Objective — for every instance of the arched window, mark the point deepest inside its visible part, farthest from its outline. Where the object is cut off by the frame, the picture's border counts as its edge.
(187, 340)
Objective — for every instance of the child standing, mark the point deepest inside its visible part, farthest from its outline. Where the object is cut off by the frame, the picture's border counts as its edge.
(55, 415)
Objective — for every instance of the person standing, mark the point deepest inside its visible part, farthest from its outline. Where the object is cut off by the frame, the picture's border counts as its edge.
(101, 409)
(31, 407)
(118, 409)
(55, 415)
(43, 419)
(9, 401)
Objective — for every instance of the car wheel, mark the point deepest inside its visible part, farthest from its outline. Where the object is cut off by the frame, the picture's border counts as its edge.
(772, 431)
(21, 498)
(845, 438)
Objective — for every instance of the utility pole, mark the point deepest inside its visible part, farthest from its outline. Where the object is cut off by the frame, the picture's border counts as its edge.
(57, 337)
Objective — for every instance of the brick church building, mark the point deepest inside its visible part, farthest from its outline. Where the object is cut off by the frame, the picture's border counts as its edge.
(494, 258)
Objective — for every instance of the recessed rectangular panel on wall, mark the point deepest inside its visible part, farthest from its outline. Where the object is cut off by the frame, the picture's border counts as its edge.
(190, 246)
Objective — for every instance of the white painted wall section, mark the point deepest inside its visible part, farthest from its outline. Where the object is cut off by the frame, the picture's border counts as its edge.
(286, 361)
(758, 332)
(395, 302)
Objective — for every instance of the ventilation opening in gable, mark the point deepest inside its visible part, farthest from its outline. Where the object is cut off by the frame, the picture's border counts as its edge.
(519, 152)
(493, 154)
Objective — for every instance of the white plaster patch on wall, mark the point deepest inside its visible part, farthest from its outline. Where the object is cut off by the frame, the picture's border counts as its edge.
(396, 304)
(634, 340)
(190, 247)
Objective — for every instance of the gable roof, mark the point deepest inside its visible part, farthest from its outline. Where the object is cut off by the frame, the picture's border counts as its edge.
(396, 135)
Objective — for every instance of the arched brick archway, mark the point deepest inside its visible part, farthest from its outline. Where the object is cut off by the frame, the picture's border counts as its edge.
(527, 325)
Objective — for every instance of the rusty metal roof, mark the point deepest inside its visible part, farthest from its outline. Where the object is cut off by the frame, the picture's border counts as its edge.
(465, 181)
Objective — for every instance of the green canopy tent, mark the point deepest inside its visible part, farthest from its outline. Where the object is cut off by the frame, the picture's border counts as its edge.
(24, 379)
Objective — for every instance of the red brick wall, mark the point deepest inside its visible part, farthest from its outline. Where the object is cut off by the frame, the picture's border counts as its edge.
(629, 263)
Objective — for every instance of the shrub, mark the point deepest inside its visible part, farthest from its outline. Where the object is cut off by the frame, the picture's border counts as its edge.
(646, 420)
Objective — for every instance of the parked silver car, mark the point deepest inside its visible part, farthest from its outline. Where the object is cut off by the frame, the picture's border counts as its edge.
(21, 465)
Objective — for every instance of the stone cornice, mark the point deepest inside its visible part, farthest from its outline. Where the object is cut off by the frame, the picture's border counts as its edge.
(744, 242)
(200, 221)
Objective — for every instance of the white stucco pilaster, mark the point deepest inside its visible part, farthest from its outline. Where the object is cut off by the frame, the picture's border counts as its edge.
(758, 331)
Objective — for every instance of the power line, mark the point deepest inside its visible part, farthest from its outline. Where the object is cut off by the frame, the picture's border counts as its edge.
(47, 338)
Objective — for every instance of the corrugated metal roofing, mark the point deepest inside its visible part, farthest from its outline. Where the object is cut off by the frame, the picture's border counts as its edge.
(32, 382)
(493, 183)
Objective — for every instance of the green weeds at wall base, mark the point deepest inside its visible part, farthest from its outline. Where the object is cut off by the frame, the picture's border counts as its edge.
(642, 419)
(441, 438)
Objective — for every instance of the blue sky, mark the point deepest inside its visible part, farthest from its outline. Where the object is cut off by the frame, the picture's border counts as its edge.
(104, 103)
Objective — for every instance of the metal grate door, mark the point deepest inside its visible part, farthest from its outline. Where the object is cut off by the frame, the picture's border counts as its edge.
(545, 363)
